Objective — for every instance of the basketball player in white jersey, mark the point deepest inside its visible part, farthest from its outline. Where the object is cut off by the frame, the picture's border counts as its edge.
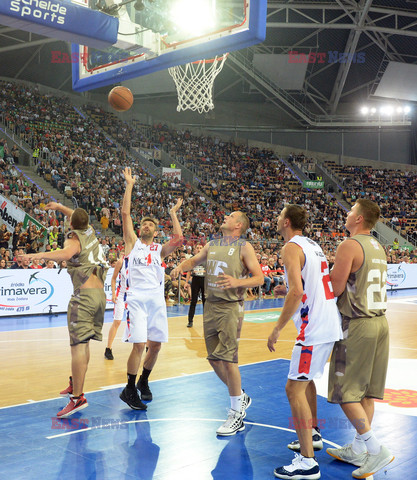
(119, 299)
(310, 302)
(147, 322)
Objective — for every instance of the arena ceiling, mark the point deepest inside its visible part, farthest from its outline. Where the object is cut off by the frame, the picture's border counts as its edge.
(366, 34)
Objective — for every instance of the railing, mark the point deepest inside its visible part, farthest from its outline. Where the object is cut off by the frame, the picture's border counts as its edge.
(397, 230)
(282, 96)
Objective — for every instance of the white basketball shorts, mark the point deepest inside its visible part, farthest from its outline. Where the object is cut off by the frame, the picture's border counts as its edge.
(119, 306)
(146, 317)
(307, 362)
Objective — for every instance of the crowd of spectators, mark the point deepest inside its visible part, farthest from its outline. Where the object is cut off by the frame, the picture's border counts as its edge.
(395, 191)
(82, 155)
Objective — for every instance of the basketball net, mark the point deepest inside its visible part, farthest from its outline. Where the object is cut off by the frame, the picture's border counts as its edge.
(194, 82)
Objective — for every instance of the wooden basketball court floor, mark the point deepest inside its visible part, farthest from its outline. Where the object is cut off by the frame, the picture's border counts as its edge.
(175, 438)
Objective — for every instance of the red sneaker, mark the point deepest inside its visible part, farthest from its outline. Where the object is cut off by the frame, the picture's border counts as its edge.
(73, 406)
(68, 390)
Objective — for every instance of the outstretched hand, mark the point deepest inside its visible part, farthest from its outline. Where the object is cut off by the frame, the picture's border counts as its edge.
(51, 206)
(127, 173)
(177, 206)
(176, 272)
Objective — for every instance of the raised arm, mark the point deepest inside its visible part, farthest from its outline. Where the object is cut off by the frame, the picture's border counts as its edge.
(129, 235)
(71, 247)
(60, 208)
(177, 238)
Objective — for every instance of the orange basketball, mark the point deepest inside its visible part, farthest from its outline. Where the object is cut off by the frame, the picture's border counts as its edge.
(120, 98)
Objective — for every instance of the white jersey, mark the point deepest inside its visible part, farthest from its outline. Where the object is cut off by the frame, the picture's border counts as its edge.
(145, 270)
(317, 319)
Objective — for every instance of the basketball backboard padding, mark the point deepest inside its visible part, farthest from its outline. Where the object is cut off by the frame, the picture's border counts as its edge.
(61, 20)
(251, 33)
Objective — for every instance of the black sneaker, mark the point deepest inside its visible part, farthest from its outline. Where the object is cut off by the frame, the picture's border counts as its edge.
(143, 387)
(131, 397)
(189, 324)
(299, 470)
(108, 354)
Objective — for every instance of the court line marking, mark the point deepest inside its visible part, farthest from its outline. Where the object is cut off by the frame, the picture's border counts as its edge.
(82, 430)
(181, 338)
(120, 385)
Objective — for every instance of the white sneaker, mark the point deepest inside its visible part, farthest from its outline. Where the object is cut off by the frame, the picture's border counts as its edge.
(232, 425)
(299, 470)
(246, 403)
(317, 441)
(346, 454)
(373, 463)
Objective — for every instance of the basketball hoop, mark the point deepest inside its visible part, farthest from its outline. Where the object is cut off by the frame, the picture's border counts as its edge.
(194, 82)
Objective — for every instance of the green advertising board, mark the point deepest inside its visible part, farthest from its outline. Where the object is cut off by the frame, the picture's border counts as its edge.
(313, 184)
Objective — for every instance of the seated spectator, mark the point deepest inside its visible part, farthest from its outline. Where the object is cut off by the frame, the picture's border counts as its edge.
(267, 275)
(18, 262)
(4, 236)
(36, 264)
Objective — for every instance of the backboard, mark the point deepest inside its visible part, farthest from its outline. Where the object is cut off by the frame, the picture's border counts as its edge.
(157, 34)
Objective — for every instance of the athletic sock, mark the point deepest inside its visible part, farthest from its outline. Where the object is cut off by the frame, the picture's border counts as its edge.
(145, 373)
(371, 442)
(131, 380)
(358, 445)
(236, 402)
(309, 461)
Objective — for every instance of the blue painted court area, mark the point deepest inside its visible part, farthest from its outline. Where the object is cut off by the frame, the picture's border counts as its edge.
(175, 439)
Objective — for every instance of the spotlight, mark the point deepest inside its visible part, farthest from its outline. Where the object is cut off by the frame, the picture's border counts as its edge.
(373, 110)
(399, 109)
(386, 110)
(407, 109)
(364, 110)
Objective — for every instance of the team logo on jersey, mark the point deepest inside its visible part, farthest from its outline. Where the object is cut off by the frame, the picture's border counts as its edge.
(215, 267)
(374, 243)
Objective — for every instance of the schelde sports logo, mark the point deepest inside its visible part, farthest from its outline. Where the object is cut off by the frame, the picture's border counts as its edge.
(21, 295)
(395, 275)
(48, 10)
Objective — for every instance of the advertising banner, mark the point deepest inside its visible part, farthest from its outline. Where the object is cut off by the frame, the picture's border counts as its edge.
(29, 292)
(63, 20)
(12, 215)
(171, 173)
(313, 184)
(402, 275)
